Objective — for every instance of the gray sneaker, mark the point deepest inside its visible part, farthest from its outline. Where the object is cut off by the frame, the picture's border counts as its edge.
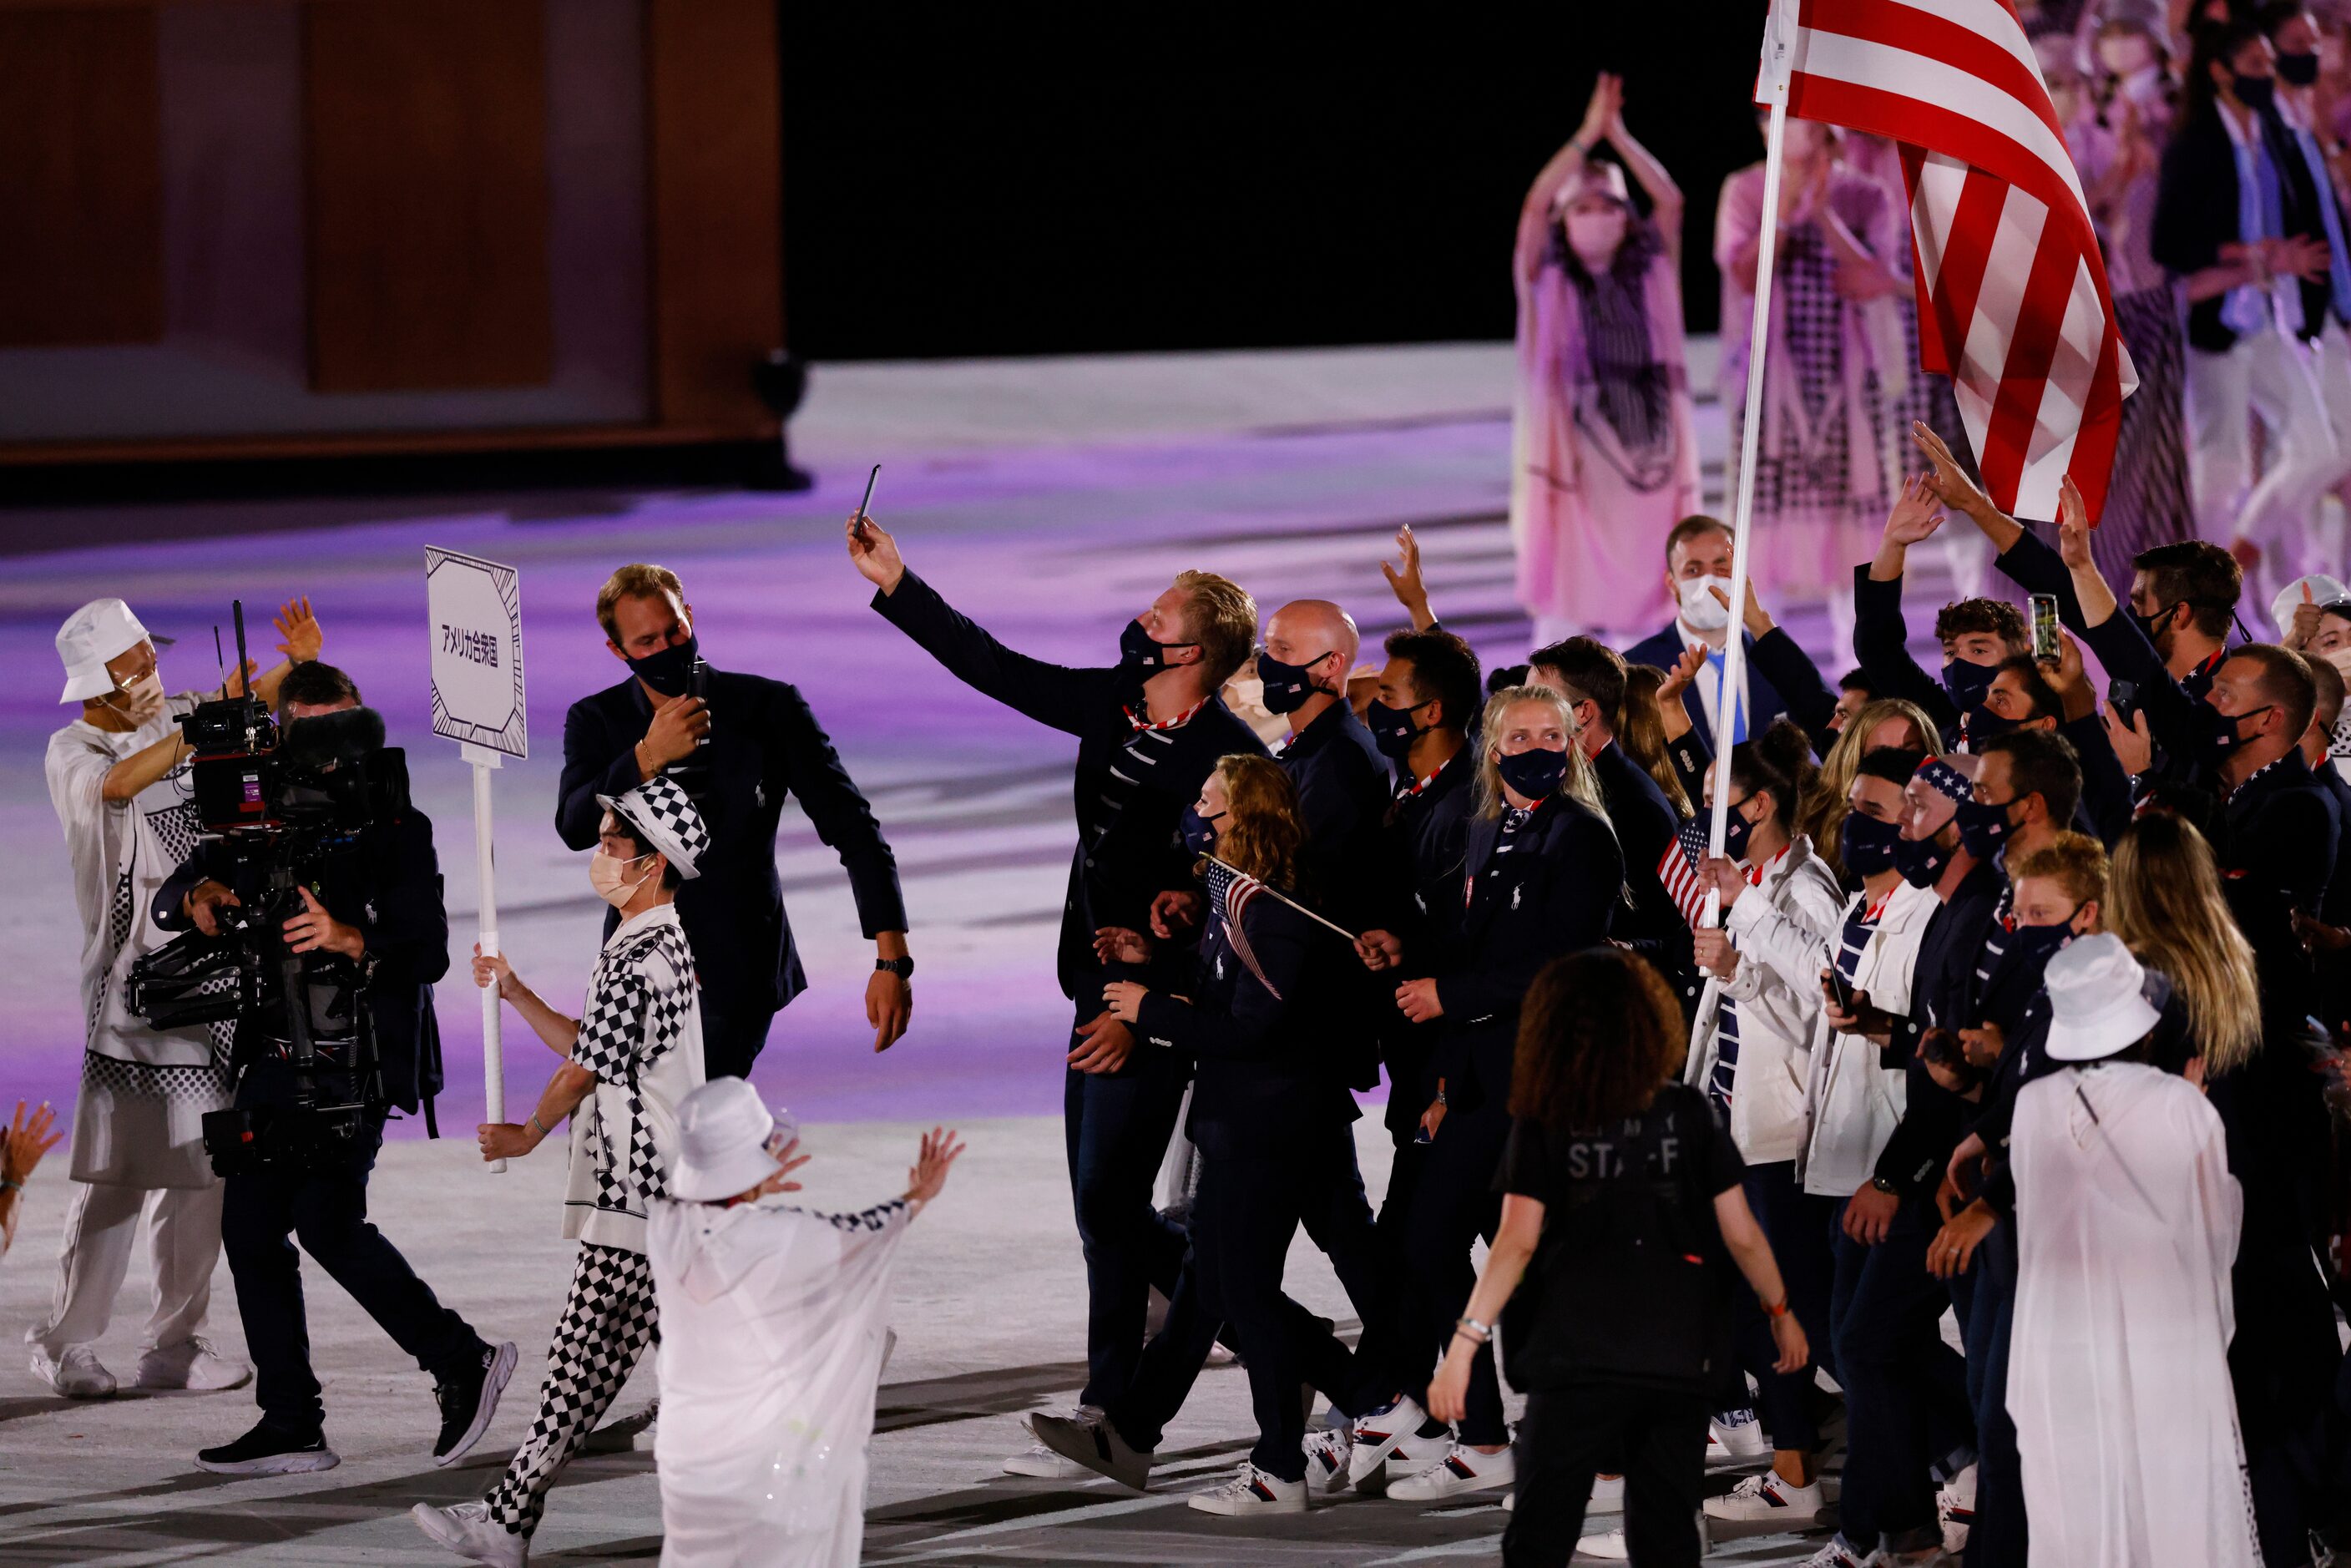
(1095, 1445)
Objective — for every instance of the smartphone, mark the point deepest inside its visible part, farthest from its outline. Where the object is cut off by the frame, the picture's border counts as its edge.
(2124, 695)
(1842, 989)
(2045, 649)
(700, 688)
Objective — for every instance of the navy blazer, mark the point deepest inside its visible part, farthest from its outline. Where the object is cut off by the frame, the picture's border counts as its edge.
(1264, 1056)
(1131, 786)
(1556, 891)
(765, 744)
(1763, 699)
(2195, 215)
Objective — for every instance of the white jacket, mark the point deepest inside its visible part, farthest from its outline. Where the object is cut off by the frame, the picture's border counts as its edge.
(1781, 930)
(1851, 1103)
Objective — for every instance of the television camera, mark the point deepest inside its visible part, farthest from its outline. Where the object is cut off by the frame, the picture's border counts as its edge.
(274, 802)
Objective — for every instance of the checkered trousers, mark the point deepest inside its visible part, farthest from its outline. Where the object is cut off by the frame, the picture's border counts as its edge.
(607, 1321)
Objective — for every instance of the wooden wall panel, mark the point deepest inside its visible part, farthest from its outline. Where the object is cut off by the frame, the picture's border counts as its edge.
(424, 125)
(714, 120)
(81, 178)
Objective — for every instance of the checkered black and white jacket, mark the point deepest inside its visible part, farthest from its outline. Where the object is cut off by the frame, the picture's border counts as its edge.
(640, 1035)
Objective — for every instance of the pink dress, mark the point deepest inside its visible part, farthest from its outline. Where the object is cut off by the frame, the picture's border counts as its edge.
(1604, 456)
(1827, 466)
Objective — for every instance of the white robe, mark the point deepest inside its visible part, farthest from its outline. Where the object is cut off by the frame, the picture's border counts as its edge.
(2118, 1373)
(772, 1343)
(138, 1121)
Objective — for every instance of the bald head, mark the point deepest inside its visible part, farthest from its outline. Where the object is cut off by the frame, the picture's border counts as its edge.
(1304, 630)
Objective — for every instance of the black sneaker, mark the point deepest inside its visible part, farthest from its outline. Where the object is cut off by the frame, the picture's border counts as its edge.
(469, 1398)
(268, 1451)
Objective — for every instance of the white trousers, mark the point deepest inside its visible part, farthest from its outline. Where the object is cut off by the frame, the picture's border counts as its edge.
(2276, 379)
(184, 1242)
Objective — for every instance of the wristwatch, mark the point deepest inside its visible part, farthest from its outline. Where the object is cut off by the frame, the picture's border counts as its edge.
(901, 968)
(1887, 1188)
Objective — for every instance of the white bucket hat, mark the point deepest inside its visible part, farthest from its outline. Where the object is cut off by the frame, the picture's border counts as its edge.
(2097, 999)
(664, 814)
(725, 1137)
(102, 630)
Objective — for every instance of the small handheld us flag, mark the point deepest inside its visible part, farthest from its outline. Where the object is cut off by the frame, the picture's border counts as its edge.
(1677, 868)
(1230, 892)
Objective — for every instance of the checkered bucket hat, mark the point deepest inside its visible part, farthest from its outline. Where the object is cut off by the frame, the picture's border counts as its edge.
(660, 810)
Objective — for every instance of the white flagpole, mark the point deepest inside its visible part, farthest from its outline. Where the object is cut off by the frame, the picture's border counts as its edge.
(494, 1075)
(1772, 88)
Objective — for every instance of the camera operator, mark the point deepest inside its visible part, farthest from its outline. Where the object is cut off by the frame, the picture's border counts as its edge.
(371, 920)
(117, 776)
(738, 745)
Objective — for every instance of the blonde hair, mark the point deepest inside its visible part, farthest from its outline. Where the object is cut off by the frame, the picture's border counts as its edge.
(1642, 735)
(1263, 831)
(635, 581)
(1580, 784)
(1222, 619)
(2075, 862)
(1820, 816)
(2166, 906)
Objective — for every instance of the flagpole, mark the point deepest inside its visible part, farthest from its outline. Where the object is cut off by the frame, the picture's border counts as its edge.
(1277, 893)
(1770, 87)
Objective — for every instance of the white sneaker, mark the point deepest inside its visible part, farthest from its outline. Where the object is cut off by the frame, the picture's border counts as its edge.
(1835, 1554)
(1392, 1433)
(1735, 1435)
(1329, 1458)
(467, 1530)
(1253, 1492)
(633, 1433)
(1043, 1463)
(1510, 1502)
(193, 1365)
(1463, 1469)
(1608, 1546)
(1955, 1505)
(1040, 1462)
(1768, 1496)
(76, 1375)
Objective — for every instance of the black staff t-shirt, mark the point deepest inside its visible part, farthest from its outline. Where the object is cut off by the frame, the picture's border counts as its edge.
(1627, 1209)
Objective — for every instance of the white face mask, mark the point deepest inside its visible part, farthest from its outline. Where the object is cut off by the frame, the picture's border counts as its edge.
(1700, 610)
(141, 701)
(609, 876)
(1595, 237)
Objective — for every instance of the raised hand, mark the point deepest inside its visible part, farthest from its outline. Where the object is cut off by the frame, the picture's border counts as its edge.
(26, 1140)
(2305, 621)
(1917, 512)
(679, 724)
(1602, 111)
(1404, 581)
(940, 1150)
(874, 554)
(2073, 525)
(301, 638)
(1948, 481)
(1677, 679)
(2133, 743)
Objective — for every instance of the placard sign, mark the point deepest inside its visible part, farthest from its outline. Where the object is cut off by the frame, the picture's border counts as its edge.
(475, 611)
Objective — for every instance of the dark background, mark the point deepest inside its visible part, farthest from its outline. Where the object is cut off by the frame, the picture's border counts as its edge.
(989, 180)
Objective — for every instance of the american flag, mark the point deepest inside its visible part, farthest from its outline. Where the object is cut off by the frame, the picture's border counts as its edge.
(1229, 896)
(1677, 868)
(2013, 298)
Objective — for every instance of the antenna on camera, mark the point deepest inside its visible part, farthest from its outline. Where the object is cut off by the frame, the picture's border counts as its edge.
(220, 660)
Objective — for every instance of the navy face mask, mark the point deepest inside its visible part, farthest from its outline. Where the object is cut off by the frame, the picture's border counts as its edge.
(1736, 830)
(1199, 833)
(1534, 774)
(2226, 737)
(1393, 730)
(1139, 655)
(2254, 92)
(1869, 843)
(669, 671)
(1984, 724)
(1287, 686)
(1920, 860)
(2032, 946)
(1984, 828)
(1967, 682)
(2297, 70)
